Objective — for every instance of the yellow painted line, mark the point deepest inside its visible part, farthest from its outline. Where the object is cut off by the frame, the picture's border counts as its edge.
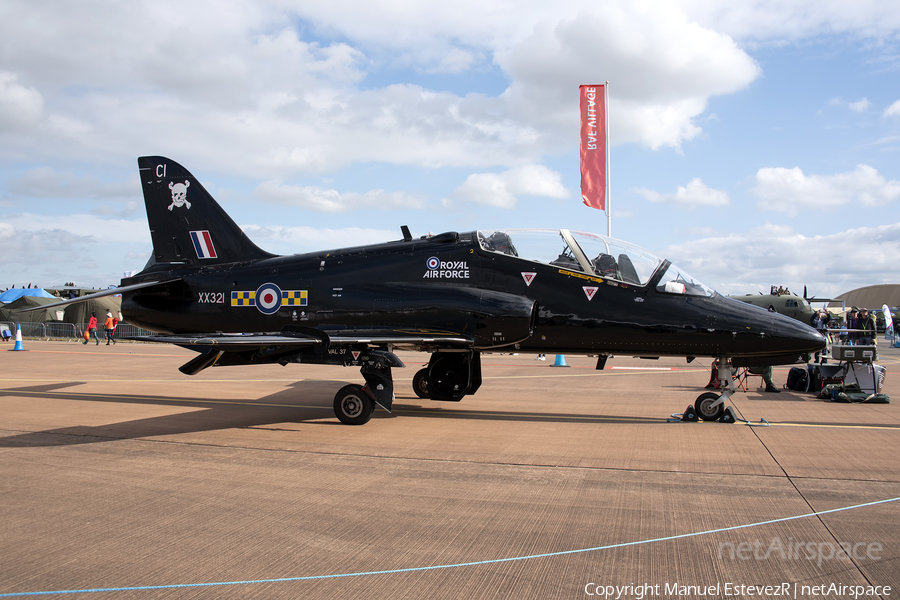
(837, 426)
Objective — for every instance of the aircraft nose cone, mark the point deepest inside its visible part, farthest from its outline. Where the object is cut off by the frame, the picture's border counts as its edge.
(792, 335)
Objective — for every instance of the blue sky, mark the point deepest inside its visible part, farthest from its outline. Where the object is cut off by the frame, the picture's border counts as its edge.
(753, 145)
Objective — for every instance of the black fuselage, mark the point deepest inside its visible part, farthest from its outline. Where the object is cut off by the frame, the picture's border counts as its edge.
(450, 283)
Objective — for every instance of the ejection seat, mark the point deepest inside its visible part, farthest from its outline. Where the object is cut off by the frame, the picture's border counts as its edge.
(605, 266)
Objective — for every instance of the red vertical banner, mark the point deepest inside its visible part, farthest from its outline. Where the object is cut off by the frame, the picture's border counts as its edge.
(593, 145)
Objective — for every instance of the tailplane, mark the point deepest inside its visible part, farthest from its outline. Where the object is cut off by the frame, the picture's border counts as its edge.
(187, 225)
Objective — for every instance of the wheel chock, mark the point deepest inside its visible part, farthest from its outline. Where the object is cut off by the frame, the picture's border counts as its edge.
(690, 414)
(728, 416)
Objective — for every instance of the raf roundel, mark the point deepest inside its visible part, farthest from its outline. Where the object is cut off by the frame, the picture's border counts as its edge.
(433, 263)
(268, 298)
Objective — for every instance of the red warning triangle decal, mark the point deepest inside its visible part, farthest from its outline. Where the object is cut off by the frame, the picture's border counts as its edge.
(528, 277)
(355, 354)
(589, 291)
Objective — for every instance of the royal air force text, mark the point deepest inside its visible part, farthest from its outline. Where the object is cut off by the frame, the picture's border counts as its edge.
(454, 269)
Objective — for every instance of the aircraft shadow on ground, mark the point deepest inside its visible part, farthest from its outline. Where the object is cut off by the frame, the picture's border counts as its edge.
(214, 414)
(282, 407)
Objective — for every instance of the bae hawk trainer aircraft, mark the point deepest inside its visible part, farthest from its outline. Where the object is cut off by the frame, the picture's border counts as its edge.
(208, 288)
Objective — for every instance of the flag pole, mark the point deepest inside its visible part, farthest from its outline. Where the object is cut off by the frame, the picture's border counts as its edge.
(608, 193)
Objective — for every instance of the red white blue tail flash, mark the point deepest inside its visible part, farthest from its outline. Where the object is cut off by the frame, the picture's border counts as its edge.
(203, 244)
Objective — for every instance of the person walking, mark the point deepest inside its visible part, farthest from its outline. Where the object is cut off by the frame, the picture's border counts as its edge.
(110, 326)
(92, 328)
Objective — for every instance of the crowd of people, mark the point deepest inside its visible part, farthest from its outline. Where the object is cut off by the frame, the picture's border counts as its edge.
(858, 329)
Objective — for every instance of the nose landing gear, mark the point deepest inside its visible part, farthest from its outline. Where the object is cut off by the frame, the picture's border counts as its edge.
(709, 405)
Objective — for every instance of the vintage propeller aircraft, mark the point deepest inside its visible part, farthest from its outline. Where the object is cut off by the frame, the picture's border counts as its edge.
(785, 303)
(207, 287)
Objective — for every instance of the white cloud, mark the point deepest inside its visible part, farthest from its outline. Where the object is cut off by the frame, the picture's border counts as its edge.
(38, 246)
(747, 262)
(695, 194)
(325, 200)
(860, 105)
(893, 110)
(243, 89)
(80, 225)
(662, 69)
(20, 107)
(44, 182)
(296, 240)
(791, 191)
(776, 20)
(502, 189)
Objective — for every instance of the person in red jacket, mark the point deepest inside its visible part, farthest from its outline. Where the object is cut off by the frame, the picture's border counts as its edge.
(92, 328)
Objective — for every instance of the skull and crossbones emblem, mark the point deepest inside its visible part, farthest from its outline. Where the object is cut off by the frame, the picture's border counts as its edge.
(179, 194)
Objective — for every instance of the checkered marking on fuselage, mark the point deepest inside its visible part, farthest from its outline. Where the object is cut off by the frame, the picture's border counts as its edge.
(288, 298)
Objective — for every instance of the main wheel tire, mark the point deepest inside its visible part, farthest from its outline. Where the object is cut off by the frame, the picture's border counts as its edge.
(449, 377)
(352, 405)
(705, 409)
(420, 384)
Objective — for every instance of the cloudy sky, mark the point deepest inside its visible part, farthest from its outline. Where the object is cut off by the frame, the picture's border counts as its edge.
(754, 143)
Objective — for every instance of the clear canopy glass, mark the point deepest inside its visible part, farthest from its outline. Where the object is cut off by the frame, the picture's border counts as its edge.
(590, 253)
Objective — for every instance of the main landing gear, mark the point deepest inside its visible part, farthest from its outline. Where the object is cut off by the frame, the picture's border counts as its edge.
(354, 404)
(449, 376)
(710, 405)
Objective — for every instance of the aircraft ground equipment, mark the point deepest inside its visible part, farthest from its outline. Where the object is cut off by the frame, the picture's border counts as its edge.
(689, 415)
(728, 416)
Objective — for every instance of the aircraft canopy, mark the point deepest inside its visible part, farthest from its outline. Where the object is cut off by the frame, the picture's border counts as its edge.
(593, 254)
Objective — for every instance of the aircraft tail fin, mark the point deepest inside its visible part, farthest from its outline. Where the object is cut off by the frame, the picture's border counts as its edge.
(186, 224)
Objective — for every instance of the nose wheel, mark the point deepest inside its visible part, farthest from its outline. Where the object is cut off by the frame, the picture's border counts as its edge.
(709, 407)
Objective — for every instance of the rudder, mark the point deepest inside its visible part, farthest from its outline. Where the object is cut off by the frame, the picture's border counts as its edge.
(187, 225)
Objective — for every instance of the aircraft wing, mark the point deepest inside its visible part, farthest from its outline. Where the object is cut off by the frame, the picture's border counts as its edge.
(101, 294)
(249, 341)
(340, 345)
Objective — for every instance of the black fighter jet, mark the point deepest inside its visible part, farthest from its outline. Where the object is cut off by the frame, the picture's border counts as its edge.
(207, 287)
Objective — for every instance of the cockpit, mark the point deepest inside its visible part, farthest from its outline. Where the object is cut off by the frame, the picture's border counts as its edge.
(591, 254)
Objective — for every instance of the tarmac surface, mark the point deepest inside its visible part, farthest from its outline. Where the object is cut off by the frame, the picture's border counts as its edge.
(123, 478)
